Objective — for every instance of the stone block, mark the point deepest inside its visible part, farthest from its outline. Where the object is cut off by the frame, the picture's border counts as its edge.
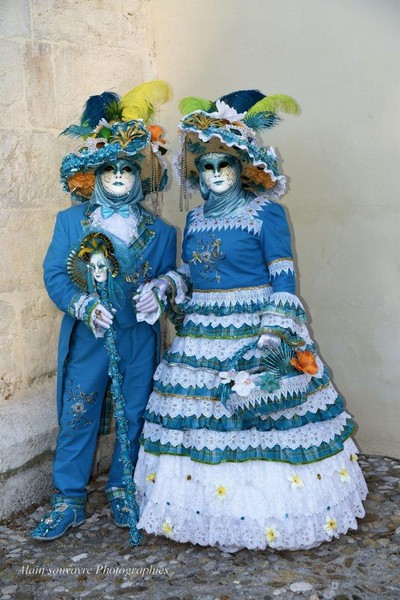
(33, 165)
(12, 98)
(39, 84)
(77, 79)
(26, 453)
(27, 237)
(10, 379)
(7, 315)
(86, 23)
(39, 338)
(15, 18)
(31, 424)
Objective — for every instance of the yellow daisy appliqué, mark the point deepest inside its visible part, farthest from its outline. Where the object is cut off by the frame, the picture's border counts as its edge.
(295, 481)
(221, 492)
(167, 527)
(330, 524)
(272, 535)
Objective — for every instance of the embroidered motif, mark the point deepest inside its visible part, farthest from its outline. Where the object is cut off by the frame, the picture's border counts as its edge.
(79, 405)
(247, 220)
(144, 271)
(209, 256)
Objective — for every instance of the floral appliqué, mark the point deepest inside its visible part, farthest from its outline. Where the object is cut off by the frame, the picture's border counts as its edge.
(209, 255)
(144, 272)
(79, 404)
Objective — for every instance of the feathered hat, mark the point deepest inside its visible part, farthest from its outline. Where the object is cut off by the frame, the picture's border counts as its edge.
(112, 127)
(229, 125)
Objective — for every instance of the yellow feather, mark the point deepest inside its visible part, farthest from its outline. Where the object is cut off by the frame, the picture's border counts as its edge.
(141, 102)
(274, 104)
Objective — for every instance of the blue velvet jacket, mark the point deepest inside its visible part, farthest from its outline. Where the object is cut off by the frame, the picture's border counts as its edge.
(150, 254)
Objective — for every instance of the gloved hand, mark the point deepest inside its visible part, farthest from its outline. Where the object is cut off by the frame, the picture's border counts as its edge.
(102, 317)
(147, 302)
(268, 340)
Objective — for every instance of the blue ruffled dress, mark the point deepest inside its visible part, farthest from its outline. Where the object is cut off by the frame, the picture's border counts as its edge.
(273, 468)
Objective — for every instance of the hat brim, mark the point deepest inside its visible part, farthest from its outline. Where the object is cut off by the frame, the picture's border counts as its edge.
(78, 168)
(259, 166)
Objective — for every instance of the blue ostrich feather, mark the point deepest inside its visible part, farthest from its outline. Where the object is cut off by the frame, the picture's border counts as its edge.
(97, 108)
(77, 131)
(242, 100)
(262, 120)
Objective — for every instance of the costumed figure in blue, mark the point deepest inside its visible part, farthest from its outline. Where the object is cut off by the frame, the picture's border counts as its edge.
(104, 249)
(246, 443)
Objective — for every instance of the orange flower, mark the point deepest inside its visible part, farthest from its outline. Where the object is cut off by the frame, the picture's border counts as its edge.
(258, 175)
(305, 362)
(156, 133)
(82, 184)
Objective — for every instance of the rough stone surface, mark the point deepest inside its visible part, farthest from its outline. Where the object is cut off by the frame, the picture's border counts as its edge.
(39, 79)
(26, 455)
(96, 561)
(12, 102)
(14, 18)
(63, 21)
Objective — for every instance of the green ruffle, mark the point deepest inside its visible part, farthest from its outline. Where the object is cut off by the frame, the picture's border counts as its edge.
(298, 456)
(237, 423)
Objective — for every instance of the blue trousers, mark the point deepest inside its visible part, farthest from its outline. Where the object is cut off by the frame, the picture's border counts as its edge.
(85, 383)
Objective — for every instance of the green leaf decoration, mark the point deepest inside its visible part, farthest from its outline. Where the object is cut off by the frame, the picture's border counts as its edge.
(269, 382)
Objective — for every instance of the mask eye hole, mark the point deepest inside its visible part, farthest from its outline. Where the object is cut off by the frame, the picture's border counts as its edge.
(223, 164)
(109, 168)
(127, 169)
(208, 167)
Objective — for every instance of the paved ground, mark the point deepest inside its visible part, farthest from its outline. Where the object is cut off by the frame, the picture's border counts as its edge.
(95, 561)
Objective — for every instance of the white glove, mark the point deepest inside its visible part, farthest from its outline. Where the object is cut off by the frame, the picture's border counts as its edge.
(102, 317)
(268, 340)
(147, 302)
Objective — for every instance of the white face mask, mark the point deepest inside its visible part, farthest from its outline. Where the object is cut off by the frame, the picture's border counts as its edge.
(99, 267)
(117, 178)
(218, 171)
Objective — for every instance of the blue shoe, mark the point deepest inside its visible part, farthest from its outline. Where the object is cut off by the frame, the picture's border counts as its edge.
(119, 509)
(55, 523)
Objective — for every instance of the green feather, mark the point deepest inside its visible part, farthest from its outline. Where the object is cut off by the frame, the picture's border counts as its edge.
(191, 103)
(113, 112)
(275, 103)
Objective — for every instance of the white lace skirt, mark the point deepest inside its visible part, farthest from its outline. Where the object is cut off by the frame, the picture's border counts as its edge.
(287, 480)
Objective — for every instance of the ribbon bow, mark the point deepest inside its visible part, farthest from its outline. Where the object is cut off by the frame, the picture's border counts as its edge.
(107, 211)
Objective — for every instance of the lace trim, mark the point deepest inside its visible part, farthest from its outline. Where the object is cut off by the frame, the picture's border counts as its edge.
(313, 434)
(235, 319)
(181, 288)
(281, 265)
(190, 501)
(184, 406)
(275, 320)
(239, 296)
(286, 298)
(125, 228)
(191, 377)
(210, 348)
(79, 305)
(184, 269)
(247, 219)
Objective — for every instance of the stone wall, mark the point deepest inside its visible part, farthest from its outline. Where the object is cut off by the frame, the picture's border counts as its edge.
(53, 55)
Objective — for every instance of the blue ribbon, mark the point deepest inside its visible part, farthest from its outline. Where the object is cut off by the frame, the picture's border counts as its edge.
(107, 211)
